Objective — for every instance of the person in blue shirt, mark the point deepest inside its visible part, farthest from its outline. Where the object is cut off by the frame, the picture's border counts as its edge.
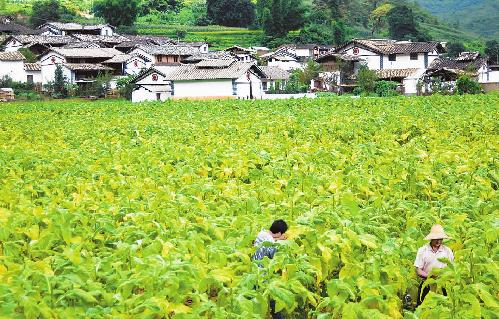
(275, 233)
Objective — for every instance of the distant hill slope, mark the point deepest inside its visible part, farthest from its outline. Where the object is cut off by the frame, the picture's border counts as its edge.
(478, 16)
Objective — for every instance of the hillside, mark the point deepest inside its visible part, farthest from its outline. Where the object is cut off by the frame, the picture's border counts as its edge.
(478, 16)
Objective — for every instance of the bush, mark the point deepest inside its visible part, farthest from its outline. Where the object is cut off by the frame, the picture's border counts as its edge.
(125, 87)
(366, 81)
(466, 85)
(386, 88)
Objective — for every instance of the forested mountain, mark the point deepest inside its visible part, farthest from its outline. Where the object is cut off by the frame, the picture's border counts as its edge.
(478, 16)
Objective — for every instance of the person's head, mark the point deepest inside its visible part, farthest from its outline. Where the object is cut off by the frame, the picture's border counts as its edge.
(436, 236)
(278, 228)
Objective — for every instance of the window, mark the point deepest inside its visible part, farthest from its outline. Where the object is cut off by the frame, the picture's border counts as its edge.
(392, 57)
(158, 96)
(175, 59)
(30, 79)
(414, 56)
(264, 86)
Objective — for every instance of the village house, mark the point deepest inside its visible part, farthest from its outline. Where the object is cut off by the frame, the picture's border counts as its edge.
(211, 55)
(60, 28)
(473, 64)
(401, 61)
(12, 66)
(103, 40)
(80, 66)
(171, 55)
(338, 72)
(206, 79)
(126, 64)
(33, 73)
(282, 59)
(275, 78)
(36, 43)
(242, 54)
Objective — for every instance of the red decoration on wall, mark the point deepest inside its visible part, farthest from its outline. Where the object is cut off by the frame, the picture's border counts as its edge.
(154, 77)
(53, 59)
(356, 51)
(135, 63)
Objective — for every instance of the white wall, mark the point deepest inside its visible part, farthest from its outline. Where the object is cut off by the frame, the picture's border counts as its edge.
(37, 76)
(202, 88)
(141, 52)
(372, 59)
(13, 69)
(107, 30)
(488, 76)
(48, 64)
(135, 65)
(303, 52)
(243, 87)
(13, 45)
(150, 93)
(285, 65)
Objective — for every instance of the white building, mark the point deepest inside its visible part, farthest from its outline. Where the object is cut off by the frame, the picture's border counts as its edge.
(151, 85)
(59, 28)
(402, 61)
(283, 60)
(79, 65)
(12, 65)
(36, 43)
(275, 78)
(33, 73)
(208, 79)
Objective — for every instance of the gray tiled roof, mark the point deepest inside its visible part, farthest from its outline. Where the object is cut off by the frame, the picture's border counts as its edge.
(87, 67)
(11, 56)
(168, 50)
(274, 72)
(458, 65)
(83, 45)
(192, 72)
(75, 26)
(214, 63)
(222, 55)
(32, 67)
(43, 39)
(121, 58)
(87, 52)
(385, 46)
(115, 39)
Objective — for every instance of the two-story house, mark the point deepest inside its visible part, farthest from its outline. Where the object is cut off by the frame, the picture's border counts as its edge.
(80, 66)
(401, 61)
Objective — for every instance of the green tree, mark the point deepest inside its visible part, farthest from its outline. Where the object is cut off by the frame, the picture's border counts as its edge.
(117, 12)
(378, 17)
(336, 8)
(46, 11)
(454, 49)
(148, 6)
(466, 85)
(366, 80)
(402, 24)
(59, 85)
(492, 50)
(281, 16)
(233, 13)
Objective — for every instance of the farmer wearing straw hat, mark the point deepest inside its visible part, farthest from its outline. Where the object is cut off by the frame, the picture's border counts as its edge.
(428, 258)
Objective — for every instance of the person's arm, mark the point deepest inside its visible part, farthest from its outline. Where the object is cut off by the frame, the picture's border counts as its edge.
(421, 273)
(419, 264)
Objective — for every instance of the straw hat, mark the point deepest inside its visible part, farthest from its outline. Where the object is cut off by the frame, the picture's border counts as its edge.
(437, 232)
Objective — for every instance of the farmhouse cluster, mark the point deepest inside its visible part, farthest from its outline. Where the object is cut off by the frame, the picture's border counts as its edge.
(164, 68)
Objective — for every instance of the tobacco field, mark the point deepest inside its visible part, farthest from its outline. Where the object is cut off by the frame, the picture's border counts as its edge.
(116, 210)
